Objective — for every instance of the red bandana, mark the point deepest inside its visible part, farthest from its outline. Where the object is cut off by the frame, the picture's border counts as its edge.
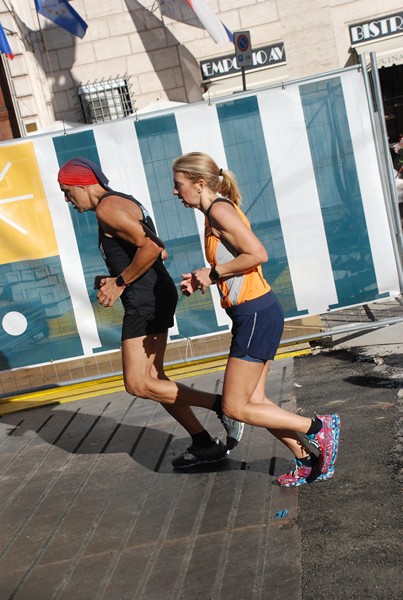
(72, 173)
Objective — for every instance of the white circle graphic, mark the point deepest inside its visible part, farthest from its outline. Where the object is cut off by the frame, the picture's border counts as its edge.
(14, 323)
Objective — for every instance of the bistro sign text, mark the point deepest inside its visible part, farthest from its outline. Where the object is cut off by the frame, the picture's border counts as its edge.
(222, 66)
(376, 29)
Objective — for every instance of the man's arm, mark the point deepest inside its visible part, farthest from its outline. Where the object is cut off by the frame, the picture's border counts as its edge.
(121, 218)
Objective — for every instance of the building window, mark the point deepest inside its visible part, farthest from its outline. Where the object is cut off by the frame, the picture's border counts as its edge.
(106, 100)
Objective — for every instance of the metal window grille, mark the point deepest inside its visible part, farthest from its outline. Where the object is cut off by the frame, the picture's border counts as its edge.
(106, 100)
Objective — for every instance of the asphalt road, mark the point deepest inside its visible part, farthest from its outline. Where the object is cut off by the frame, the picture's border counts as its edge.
(351, 525)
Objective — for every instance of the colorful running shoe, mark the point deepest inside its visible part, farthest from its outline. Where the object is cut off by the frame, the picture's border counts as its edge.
(323, 454)
(197, 455)
(296, 476)
(335, 435)
(234, 430)
(324, 444)
(301, 475)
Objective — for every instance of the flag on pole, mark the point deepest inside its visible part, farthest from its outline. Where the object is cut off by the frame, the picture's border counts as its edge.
(63, 15)
(4, 45)
(211, 23)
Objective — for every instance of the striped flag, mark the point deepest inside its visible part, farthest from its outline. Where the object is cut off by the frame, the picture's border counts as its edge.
(211, 23)
(4, 45)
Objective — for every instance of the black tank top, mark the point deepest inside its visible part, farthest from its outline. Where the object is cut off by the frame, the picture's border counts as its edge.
(118, 254)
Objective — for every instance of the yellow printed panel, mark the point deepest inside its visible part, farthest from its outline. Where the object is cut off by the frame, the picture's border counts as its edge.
(26, 230)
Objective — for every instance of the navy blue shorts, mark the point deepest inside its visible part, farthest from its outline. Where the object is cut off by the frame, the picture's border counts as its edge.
(257, 327)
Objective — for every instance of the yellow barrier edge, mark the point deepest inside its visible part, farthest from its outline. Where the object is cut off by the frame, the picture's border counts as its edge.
(109, 385)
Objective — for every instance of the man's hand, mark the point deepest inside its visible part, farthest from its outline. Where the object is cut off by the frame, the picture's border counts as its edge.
(99, 281)
(109, 292)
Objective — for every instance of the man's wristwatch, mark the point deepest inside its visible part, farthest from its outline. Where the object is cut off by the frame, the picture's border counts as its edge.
(214, 275)
(120, 282)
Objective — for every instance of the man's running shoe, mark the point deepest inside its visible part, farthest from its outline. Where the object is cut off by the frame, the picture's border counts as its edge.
(197, 455)
(234, 430)
(324, 444)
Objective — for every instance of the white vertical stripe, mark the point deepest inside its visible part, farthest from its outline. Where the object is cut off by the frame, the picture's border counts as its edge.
(199, 131)
(67, 243)
(120, 156)
(297, 199)
(370, 182)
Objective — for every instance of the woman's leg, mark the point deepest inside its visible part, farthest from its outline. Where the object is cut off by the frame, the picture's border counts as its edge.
(241, 381)
(289, 438)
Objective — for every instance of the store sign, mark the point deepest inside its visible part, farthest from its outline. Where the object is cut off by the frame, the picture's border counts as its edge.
(390, 59)
(377, 29)
(222, 66)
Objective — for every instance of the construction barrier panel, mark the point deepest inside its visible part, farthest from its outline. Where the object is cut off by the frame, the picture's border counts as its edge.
(305, 157)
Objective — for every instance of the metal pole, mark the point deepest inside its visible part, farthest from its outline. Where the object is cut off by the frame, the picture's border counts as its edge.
(243, 79)
(382, 152)
(389, 170)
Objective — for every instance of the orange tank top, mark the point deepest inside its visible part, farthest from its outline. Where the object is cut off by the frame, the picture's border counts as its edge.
(236, 288)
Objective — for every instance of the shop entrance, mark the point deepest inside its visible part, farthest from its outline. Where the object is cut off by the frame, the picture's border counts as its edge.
(391, 79)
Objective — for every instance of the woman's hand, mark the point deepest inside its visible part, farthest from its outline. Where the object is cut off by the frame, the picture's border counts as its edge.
(196, 280)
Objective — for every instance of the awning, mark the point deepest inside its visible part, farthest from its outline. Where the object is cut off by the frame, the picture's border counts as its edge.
(388, 52)
(159, 105)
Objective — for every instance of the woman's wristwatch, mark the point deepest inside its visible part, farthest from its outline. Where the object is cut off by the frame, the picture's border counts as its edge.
(214, 275)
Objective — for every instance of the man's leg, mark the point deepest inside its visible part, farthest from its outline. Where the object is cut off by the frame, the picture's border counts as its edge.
(144, 376)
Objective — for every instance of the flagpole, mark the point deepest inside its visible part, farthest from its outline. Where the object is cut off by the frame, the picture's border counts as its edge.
(53, 100)
(161, 15)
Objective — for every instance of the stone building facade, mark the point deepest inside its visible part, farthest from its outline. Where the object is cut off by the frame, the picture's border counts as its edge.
(141, 53)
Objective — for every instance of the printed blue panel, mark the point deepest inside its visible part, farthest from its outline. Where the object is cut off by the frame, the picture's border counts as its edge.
(159, 145)
(86, 229)
(247, 157)
(34, 297)
(339, 191)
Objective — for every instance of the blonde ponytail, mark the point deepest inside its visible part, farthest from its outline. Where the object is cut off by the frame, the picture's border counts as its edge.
(198, 165)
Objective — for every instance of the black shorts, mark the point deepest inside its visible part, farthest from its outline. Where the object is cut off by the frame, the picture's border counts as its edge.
(257, 327)
(138, 322)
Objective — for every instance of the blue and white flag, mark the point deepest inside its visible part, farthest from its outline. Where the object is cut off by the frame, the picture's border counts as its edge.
(199, 14)
(62, 14)
(211, 23)
(4, 45)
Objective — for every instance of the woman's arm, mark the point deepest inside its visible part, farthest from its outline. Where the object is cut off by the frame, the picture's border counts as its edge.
(227, 224)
